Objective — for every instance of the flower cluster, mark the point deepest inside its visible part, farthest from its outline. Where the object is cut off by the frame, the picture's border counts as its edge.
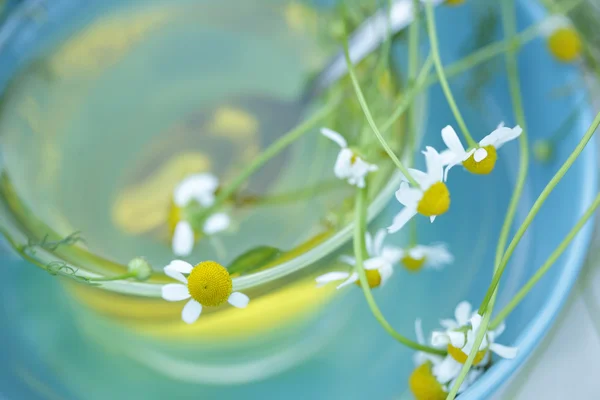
(434, 374)
(199, 189)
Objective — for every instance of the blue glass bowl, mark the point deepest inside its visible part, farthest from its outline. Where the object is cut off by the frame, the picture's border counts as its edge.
(359, 359)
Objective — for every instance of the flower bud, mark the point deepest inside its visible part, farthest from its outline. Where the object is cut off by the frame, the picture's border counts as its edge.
(140, 267)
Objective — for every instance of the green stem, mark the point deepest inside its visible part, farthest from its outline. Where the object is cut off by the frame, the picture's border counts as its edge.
(369, 117)
(385, 49)
(538, 204)
(413, 67)
(114, 278)
(510, 29)
(547, 264)
(431, 29)
(359, 254)
(271, 151)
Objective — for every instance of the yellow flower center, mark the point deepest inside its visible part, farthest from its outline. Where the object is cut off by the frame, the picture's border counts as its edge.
(484, 166)
(413, 264)
(565, 44)
(423, 384)
(209, 284)
(461, 356)
(373, 277)
(435, 200)
(454, 2)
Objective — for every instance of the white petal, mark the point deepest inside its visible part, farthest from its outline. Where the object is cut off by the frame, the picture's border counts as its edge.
(552, 23)
(421, 177)
(191, 311)
(452, 141)
(175, 275)
(447, 370)
(417, 252)
(419, 331)
(183, 239)
(343, 167)
(378, 241)
(346, 259)
(180, 266)
(375, 263)
(336, 137)
(239, 300)
(369, 244)
(463, 313)
(480, 154)
(331, 277)
(408, 196)
(392, 254)
(457, 339)
(504, 351)
(432, 218)
(200, 187)
(351, 279)
(439, 339)
(500, 136)
(498, 331)
(386, 273)
(401, 219)
(438, 255)
(449, 324)
(450, 166)
(435, 168)
(476, 322)
(216, 223)
(175, 292)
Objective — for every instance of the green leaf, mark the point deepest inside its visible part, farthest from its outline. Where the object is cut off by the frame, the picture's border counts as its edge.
(253, 259)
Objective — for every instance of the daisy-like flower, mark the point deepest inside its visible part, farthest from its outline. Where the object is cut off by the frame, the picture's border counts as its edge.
(459, 337)
(434, 256)
(378, 267)
(430, 199)
(480, 160)
(426, 382)
(201, 189)
(562, 39)
(208, 285)
(349, 166)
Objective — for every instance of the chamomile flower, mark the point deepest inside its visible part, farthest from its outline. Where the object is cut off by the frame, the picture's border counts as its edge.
(201, 189)
(480, 160)
(378, 267)
(349, 166)
(562, 39)
(430, 199)
(430, 382)
(208, 285)
(434, 256)
(459, 337)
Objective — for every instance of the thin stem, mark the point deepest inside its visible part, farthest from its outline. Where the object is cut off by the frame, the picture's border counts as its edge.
(271, 151)
(413, 67)
(510, 30)
(370, 120)
(514, 302)
(538, 204)
(431, 29)
(359, 254)
(385, 49)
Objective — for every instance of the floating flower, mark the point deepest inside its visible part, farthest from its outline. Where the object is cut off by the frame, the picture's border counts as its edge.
(434, 256)
(201, 189)
(459, 337)
(378, 267)
(208, 285)
(430, 382)
(349, 166)
(562, 39)
(480, 160)
(430, 199)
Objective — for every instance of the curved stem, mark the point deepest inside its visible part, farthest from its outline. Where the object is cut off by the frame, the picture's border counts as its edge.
(509, 24)
(114, 278)
(514, 302)
(359, 254)
(369, 117)
(440, 71)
